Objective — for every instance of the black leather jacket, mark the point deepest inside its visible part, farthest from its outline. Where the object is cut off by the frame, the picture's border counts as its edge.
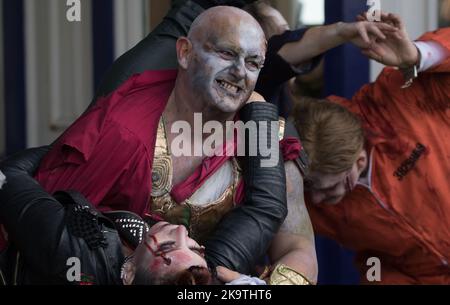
(46, 232)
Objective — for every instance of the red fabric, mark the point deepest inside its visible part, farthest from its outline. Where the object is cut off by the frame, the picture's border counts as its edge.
(107, 155)
(404, 222)
(290, 148)
(209, 165)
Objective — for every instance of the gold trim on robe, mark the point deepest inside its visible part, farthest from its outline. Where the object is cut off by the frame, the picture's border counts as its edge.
(200, 220)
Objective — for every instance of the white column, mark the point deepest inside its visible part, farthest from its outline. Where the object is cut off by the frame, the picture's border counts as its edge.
(31, 73)
(59, 80)
(2, 91)
(130, 24)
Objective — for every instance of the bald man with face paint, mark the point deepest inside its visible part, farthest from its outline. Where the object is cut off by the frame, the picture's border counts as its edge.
(118, 154)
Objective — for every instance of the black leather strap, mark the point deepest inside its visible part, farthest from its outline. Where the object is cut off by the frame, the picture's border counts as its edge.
(244, 235)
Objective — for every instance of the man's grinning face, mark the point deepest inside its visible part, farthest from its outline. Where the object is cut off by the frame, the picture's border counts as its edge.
(224, 69)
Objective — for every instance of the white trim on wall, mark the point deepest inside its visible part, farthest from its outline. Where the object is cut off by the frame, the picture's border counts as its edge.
(31, 73)
(130, 24)
(55, 64)
(433, 14)
(59, 77)
(2, 91)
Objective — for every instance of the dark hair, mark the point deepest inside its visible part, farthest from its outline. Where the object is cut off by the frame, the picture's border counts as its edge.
(195, 275)
(257, 10)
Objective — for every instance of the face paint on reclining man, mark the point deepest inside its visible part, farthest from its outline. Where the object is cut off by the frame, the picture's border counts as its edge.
(224, 53)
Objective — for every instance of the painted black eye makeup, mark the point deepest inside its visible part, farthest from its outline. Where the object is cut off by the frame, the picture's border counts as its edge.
(254, 65)
(166, 247)
(226, 54)
(199, 250)
(158, 251)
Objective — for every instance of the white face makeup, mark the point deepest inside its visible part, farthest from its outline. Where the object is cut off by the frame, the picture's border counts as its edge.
(331, 188)
(225, 64)
(167, 249)
(323, 188)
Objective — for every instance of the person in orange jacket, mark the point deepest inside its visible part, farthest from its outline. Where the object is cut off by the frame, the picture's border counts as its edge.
(379, 180)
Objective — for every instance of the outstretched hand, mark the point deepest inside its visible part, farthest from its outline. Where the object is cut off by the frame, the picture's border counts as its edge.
(226, 275)
(396, 49)
(363, 33)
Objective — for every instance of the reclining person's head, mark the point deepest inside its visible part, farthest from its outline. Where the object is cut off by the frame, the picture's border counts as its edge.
(270, 19)
(220, 60)
(334, 141)
(167, 256)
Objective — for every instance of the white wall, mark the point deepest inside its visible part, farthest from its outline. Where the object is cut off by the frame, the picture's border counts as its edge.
(2, 92)
(288, 9)
(130, 24)
(59, 80)
(59, 61)
(420, 16)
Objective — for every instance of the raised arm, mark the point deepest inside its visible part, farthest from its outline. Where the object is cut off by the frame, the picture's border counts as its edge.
(318, 40)
(399, 50)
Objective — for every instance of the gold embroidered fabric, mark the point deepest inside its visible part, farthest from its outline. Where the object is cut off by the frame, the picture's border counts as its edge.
(283, 275)
(199, 220)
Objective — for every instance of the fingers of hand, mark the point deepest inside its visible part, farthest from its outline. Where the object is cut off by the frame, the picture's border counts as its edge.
(255, 97)
(386, 27)
(371, 53)
(226, 275)
(363, 34)
(374, 30)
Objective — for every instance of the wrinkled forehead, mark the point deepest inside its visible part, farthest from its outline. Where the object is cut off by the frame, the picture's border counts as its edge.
(241, 36)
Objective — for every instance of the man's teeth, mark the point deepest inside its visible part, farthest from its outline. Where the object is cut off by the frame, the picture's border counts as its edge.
(228, 86)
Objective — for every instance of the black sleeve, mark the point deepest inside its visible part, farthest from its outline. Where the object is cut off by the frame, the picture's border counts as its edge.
(244, 235)
(47, 232)
(276, 70)
(30, 215)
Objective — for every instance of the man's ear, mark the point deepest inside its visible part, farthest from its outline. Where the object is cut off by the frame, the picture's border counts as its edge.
(184, 48)
(128, 272)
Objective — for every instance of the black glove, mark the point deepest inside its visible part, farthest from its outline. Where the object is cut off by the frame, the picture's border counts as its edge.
(244, 235)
